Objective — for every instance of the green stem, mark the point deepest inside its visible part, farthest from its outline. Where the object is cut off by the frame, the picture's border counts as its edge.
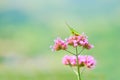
(81, 51)
(74, 70)
(70, 52)
(78, 68)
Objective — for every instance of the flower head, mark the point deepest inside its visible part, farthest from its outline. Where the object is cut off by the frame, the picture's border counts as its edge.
(69, 60)
(66, 60)
(59, 44)
(83, 60)
(79, 40)
(90, 61)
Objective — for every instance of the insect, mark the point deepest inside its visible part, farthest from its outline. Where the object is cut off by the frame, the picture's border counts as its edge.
(74, 32)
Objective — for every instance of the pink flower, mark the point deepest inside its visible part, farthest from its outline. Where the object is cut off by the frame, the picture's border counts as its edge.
(88, 46)
(69, 60)
(59, 44)
(66, 60)
(73, 61)
(90, 61)
(75, 40)
(79, 40)
(83, 60)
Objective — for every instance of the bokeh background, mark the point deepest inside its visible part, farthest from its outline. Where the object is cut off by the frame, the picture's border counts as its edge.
(28, 28)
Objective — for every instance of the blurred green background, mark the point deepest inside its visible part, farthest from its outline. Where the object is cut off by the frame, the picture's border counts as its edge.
(28, 28)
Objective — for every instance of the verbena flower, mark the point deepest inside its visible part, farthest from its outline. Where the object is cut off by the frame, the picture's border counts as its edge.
(83, 60)
(75, 40)
(90, 61)
(79, 40)
(75, 59)
(59, 44)
(66, 60)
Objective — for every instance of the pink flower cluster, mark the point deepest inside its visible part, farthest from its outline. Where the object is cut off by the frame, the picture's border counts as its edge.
(75, 40)
(79, 40)
(83, 60)
(59, 44)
